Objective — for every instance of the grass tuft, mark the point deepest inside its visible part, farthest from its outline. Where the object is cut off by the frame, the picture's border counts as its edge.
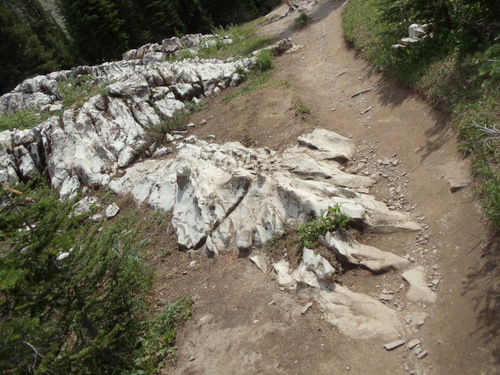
(301, 21)
(301, 110)
(25, 119)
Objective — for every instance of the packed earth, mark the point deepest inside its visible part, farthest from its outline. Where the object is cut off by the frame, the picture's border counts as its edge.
(410, 288)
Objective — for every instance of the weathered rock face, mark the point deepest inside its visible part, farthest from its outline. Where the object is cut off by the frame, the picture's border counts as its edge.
(355, 314)
(229, 196)
(95, 141)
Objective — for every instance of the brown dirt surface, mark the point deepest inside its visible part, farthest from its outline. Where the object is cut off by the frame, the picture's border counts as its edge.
(244, 324)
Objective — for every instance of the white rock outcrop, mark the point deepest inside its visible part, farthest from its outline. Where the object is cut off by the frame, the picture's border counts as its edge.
(240, 198)
(418, 290)
(102, 136)
(222, 196)
(355, 314)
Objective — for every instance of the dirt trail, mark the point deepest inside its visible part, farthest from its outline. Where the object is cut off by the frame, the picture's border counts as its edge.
(244, 324)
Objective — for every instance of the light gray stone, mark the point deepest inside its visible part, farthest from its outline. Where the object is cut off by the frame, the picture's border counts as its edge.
(62, 256)
(112, 210)
(418, 290)
(283, 275)
(422, 354)
(85, 205)
(135, 87)
(416, 31)
(330, 145)
(408, 41)
(306, 308)
(413, 343)
(96, 218)
(394, 344)
(317, 264)
(345, 246)
(69, 188)
(359, 316)
(386, 297)
(259, 260)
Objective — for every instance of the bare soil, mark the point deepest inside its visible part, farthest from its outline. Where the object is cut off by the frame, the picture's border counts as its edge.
(244, 324)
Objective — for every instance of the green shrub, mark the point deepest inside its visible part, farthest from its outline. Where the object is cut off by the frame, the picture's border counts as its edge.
(264, 60)
(242, 72)
(300, 21)
(333, 219)
(87, 313)
(301, 110)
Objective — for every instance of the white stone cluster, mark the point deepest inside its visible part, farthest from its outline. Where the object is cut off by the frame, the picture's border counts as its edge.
(229, 196)
(416, 32)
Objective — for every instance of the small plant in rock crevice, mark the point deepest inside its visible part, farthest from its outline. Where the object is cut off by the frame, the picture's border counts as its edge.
(24, 119)
(241, 72)
(156, 135)
(327, 221)
(75, 92)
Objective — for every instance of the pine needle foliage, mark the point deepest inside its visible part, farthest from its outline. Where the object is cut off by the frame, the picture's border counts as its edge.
(84, 314)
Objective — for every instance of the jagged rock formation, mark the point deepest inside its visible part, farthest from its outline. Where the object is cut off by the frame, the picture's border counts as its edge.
(229, 196)
(101, 137)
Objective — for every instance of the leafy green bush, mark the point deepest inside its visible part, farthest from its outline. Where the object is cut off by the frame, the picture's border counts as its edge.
(333, 219)
(264, 60)
(241, 72)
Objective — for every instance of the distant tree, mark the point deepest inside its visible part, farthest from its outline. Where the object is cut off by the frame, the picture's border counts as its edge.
(31, 43)
(96, 27)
